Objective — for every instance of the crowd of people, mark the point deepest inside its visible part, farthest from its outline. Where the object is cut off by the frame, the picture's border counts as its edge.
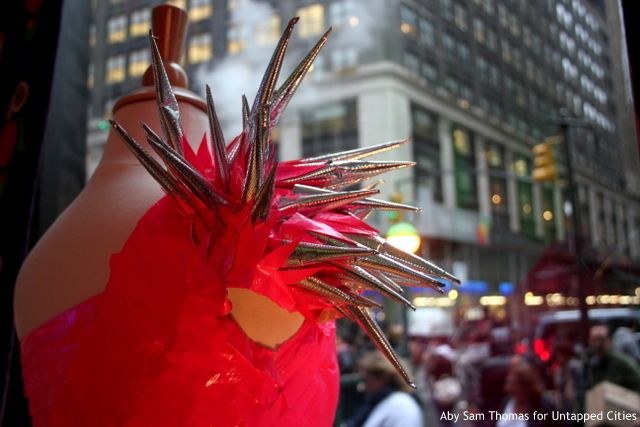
(486, 379)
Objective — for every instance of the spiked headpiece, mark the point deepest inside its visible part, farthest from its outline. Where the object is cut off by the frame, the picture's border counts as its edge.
(296, 214)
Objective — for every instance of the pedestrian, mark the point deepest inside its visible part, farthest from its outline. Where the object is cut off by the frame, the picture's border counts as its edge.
(525, 389)
(567, 376)
(388, 402)
(603, 363)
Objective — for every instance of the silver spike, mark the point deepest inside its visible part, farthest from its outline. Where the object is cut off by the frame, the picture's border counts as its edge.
(166, 181)
(385, 263)
(284, 94)
(255, 165)
(186, 173)
(345, 170)
(411, 260)
(262, 206)
(357, 153)
(307, 253)
(368, 203)
(245, 112)
(166, 100)
(273, 69)
(335, 294)
(368, 324)
(217, 142)
(322, 202)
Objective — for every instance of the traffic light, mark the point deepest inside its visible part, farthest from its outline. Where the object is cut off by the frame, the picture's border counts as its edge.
(544, 165)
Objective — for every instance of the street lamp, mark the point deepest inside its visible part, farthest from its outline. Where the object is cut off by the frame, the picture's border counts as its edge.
(404, 236)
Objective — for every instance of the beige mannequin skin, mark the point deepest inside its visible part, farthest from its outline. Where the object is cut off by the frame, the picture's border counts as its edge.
(71, 262)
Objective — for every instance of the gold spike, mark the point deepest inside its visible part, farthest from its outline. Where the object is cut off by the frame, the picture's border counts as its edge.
(245, 112)
(373, 185)
(262, 206)
(368, 324)
(374, 283)
(308, 253)
(335, 294)
(410, 260)
(187, 174)
(273, 69)
(284, 94)
(166, 100)
(217, 142)
(166, 181)
(356, 153)
(322, 202)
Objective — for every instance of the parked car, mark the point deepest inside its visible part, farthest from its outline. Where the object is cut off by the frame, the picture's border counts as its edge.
(567, 321)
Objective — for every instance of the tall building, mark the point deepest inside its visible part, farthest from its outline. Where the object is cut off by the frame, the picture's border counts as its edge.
(475, 84)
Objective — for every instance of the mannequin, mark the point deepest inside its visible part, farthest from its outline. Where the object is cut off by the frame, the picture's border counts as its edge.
(70, 264)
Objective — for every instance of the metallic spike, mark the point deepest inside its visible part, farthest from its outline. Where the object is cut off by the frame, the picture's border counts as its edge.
(217, 141)
(368, 203)
(166, 100)
(262, 206)
(323, 202)
(360, 279)
(373, 185)
(245, 112)
(255, 165)
(263, 96)
(362, 275)
(388, 281)
(335, 294)
(284, 94)
(356, 153)
(368, 324)
(308, 253)
(410, 260)
(383, 205)
(344, 170)
(164, 178)
(385, 263)
(186, 173)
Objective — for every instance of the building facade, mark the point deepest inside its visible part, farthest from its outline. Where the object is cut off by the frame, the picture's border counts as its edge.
(474, 84)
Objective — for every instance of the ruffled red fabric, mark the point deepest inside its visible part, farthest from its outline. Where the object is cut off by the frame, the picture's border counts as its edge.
(160, 348)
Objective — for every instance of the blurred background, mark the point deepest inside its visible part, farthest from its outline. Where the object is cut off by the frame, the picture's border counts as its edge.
(521, 122)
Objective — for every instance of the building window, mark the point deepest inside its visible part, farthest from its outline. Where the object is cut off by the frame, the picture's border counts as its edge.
(479, 30)
(427, 32)
(311, 20)
(115, 69)
(460, 17)
(200, 48)
(92, 35)
(412, 63)
(408, 21)
(182, 4)
(138, 62)
(342, 13)
(344, 58)
(235, 39)
(426, 151)
(268, 31)
(522, 170)
(495, 155)
(200, 9)
(330, 128)
(117, 29)
(90, 76)
(464, 163)
(446, 9)
(140, 22)
(430, 72)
